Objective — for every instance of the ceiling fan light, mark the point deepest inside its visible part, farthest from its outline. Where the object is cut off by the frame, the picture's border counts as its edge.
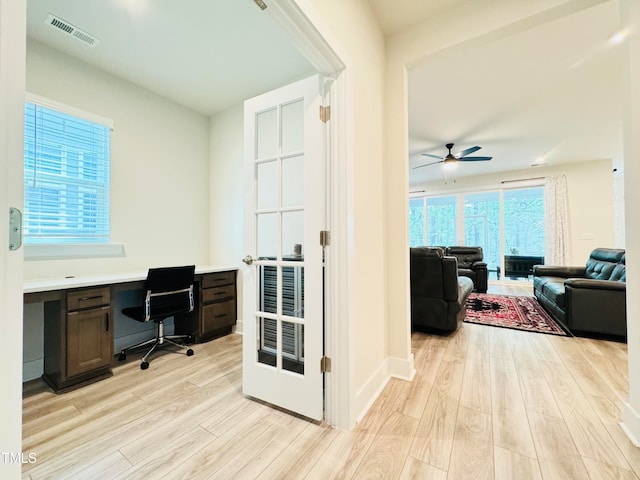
(449, 163)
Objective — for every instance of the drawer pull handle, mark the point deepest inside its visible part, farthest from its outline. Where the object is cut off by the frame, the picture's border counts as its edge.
(220, 315)
(93, 297)
(220, 293)
(77, 312)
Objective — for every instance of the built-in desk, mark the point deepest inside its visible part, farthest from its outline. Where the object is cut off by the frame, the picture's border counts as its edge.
(79, 313)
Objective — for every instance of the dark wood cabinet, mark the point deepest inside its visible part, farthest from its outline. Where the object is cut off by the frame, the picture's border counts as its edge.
(79, 334)
(218, 304)
(88, 340)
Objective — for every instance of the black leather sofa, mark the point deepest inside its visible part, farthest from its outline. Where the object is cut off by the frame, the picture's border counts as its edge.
(438, 294)
(471, 265)
(589, 299)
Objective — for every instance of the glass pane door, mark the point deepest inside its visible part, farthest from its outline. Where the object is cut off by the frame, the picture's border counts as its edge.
(284, 213)
(482, 227)
(523, 231)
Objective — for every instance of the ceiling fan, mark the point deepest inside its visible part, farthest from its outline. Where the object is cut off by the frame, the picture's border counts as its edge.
(451, 160)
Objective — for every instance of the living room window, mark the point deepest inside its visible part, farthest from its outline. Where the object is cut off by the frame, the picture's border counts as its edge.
(441, 220)
(508, 224)
(66, 175)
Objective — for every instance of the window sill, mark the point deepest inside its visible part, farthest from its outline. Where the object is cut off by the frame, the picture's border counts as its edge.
(83, 250)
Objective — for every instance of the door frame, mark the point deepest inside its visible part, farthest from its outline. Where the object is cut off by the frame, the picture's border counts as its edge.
(300, 26)
(13, 40)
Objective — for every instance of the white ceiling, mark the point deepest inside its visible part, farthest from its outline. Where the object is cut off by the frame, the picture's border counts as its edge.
(204, 54)
(552, 90)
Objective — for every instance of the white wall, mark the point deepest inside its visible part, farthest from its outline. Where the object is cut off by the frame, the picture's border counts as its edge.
(591, 200)
(226, 197)
(159, 167)
(159, 182)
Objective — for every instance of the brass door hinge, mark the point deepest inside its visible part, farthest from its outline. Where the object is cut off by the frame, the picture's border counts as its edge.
(261, 4)
(325, 113)
(325, 238)
(325, 365)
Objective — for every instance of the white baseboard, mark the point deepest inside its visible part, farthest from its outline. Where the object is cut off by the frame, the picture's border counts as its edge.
(390, 367)
(33, 369)
(402, 368)
(631, 424)
(238, 327)
(371, 390)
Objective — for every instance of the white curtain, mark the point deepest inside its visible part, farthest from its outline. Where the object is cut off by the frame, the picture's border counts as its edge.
(556, 215)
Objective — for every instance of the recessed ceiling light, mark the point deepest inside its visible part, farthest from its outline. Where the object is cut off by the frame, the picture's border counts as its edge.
(618, 37)
(538, 161)
(135, 7)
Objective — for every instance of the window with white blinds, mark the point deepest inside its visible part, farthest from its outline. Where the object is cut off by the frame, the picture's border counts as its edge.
(66, 177)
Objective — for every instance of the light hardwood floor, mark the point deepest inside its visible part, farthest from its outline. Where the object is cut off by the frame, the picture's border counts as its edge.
(485, 403)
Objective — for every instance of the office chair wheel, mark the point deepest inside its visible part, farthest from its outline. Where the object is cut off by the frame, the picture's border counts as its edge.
(189, 352)
(122, 357)
(144, 365)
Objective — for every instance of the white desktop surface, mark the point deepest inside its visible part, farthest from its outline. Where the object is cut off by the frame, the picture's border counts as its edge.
(64, 283)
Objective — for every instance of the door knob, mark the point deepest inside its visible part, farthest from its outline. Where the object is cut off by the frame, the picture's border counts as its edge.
(248, 259)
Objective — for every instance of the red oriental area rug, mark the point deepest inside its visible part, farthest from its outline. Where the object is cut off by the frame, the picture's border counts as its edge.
(520, 313)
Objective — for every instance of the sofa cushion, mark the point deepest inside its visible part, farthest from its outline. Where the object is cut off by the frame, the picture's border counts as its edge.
(426, 259)
(466, 255)
(466, 272)
(619, 273)
(602, 262)
(597, 270)
(540, 282)
(465, 287)
(554, 291)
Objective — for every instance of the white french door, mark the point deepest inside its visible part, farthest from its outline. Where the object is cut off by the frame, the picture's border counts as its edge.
(283, 279)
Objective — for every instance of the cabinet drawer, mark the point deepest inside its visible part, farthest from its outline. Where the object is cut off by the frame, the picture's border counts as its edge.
(218, 279)
(88, 298)
(218, 294)
(218, 315)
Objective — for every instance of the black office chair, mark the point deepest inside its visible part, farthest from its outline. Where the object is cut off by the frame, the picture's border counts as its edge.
(169, 293)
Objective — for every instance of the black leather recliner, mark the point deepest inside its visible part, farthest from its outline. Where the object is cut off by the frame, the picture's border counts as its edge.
(588, 299)
(438, 294)
(471, 265)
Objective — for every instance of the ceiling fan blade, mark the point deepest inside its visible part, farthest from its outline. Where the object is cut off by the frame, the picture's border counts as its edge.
(474, 159)
(427, 164)
(468, 151)
(431, 155)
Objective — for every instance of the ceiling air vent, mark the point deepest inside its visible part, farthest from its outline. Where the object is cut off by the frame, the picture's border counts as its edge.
(72, 30)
